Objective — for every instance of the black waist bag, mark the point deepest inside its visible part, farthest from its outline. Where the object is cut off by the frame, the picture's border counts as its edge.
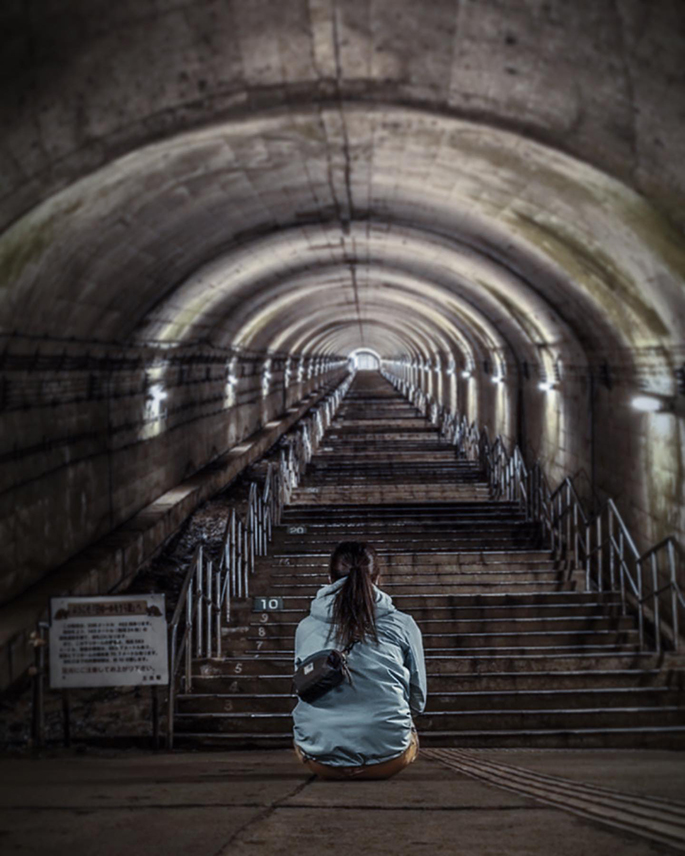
(321, 672)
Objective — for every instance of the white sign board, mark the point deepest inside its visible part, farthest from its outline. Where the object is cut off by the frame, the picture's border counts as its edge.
(115, 641)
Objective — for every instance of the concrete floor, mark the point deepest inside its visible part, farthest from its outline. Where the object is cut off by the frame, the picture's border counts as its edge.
(263, 802)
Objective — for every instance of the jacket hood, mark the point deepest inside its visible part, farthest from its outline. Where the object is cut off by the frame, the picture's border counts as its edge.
(322, 605)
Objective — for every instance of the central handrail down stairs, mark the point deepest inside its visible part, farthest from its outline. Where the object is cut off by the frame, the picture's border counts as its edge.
(529, 629)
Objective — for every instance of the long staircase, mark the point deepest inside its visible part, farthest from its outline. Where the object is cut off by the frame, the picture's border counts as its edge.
(516, 654)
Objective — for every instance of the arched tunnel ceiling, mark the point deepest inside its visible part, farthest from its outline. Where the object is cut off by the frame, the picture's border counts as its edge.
(485, 178)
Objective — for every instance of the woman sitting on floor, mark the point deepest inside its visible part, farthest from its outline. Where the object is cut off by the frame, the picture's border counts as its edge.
(362, 728)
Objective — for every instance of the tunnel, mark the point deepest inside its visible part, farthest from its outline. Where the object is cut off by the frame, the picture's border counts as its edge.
(214, 214)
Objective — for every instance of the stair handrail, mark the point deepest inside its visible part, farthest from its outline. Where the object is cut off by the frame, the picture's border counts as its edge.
(670, 545)
(599, 544)
(208, 591)
(199, 604)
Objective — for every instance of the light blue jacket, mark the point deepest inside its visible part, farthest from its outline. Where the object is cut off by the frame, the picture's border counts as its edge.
(369, 721)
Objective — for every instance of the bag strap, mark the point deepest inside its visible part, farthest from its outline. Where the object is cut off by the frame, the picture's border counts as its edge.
(345, 668)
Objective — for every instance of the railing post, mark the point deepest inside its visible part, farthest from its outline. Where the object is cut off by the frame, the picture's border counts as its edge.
(640, 607)
(622, 568)
(655, 590)
(240, 539)
(569, 530)
(171, 702)
(588, 557)
(199, 574)
(249, 562)
(189, 641)
(612, 550)
(218, 590)
(674, 594)
(209, 602)
(233, 559)
(600, 555)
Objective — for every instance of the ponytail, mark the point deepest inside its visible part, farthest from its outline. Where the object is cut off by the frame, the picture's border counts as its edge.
(354, 608)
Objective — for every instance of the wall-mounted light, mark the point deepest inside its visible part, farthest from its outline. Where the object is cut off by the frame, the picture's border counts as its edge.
(652, 403)
(497, 379)
(466, 374)
(547, 385)
(231, 381)
(158, 393)
(155, 396)
(266, 378)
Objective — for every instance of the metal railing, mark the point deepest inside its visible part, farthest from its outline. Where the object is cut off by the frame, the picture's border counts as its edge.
(599, 545)
(211, 587)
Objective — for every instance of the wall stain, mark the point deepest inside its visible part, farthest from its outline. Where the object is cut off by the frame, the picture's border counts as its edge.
(26, 243)
(598, 267)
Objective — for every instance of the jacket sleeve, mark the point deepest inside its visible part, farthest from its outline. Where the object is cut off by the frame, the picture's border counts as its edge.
(416, 663)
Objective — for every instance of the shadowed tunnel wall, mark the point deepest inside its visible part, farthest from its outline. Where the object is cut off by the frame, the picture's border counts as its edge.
(206, 207)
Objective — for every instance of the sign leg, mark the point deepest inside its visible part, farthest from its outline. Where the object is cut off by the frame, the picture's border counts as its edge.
(66, 714)
(155, 718)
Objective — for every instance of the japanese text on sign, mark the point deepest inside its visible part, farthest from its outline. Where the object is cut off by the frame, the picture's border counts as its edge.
(108, 641)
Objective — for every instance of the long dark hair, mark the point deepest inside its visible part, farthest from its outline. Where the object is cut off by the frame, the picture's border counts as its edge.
(354, 609)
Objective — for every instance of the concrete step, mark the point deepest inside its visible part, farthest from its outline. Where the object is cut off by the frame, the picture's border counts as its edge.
(551, 718)
(502, 662)
(482, 639)
(420, 507)
(403, 443)
(489, 719)
(294, 558)
(398, 547)
(341, 429)
(286, 629)
(319, 575)
(351, 495)
(487, 648)
(446, 702)
(481, 601)
(469, 585)
(589, 738)
(402, 510)
(430, 521)
(458, 615)
(405, 526)
(442, 576)
(460, 682)
(454, 538)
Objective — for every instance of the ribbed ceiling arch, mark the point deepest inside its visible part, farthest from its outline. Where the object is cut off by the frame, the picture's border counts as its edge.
(187, 235)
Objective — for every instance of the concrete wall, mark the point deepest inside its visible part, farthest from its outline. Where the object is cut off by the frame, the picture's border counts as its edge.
(87, 444)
